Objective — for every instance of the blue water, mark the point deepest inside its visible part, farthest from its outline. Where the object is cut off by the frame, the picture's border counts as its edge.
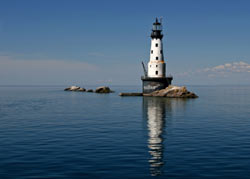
(48, 133)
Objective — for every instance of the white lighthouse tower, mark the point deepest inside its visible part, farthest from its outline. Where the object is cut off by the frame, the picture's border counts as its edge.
(155, 77)
(156, 64)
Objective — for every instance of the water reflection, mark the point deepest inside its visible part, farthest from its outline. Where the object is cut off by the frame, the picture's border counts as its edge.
(158, 111)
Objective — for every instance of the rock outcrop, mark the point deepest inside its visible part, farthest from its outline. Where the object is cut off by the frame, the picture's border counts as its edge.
(173, 92)
(75, 88)
(103, 89)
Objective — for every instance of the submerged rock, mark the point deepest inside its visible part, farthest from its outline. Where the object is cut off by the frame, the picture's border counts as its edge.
(103, 89)
(75, 88)
(131, 94)
(90, 90)
(173, 92)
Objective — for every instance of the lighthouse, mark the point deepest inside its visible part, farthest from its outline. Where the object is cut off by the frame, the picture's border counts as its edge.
(155, 76)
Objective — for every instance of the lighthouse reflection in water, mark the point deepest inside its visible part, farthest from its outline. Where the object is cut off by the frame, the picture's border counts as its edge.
(158, 113)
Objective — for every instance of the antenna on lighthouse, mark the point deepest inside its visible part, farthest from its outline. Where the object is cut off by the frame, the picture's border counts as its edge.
(145, 71)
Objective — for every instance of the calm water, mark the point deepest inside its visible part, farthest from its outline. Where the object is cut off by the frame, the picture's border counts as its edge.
(46, 132)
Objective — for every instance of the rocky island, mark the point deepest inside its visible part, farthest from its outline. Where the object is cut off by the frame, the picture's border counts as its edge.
(169, 92)
(173, 92)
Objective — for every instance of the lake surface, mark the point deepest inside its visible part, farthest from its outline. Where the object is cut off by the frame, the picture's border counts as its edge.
(48, 133)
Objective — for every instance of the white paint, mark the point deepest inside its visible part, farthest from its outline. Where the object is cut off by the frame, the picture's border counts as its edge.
(156, 65)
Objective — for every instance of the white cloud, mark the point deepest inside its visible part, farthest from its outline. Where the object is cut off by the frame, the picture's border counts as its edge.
(219, 67)
(233, 70)
(235, 67)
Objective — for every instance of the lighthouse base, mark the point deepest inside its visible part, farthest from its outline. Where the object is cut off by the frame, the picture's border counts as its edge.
(150, 85)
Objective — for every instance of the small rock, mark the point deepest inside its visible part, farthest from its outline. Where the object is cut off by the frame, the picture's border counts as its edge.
(81, 89)
(103, 89)
(75, 88)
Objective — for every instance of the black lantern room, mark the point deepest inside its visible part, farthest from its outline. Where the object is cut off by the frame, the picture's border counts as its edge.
(156, 31)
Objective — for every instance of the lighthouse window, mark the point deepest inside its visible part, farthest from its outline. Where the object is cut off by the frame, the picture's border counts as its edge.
(161, 51)
(156, 45)
(156, 65)
(151, 51)
(156, 58)
(156, 72)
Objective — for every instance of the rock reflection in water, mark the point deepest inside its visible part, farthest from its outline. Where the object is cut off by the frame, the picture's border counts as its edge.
(158, 111)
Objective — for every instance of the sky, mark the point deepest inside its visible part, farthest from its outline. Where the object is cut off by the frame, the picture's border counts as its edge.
(78, 42)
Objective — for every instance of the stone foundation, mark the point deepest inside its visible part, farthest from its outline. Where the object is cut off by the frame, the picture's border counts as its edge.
(150, 85)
